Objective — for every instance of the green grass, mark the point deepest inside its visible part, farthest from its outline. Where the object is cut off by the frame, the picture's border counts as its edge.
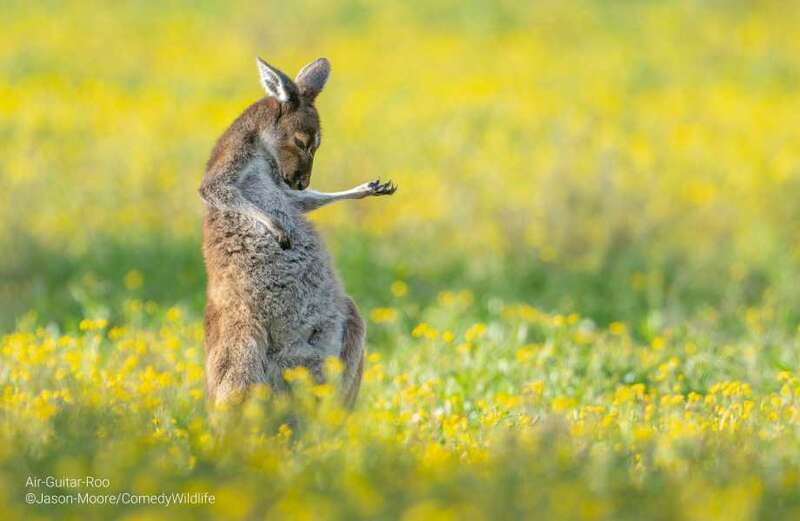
(582, 302)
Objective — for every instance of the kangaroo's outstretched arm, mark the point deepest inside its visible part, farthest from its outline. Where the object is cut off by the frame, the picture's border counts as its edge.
(309, 200)
(229, 190)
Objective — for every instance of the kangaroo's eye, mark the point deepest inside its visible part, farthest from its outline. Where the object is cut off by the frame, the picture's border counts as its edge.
(299, 143)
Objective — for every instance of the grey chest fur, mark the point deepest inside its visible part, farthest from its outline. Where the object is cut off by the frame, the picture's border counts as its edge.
(292, 296)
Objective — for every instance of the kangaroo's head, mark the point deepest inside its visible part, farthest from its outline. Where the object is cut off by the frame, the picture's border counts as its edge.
(294, 135)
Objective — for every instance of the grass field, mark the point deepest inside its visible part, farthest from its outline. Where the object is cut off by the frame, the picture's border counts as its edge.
(582, 302)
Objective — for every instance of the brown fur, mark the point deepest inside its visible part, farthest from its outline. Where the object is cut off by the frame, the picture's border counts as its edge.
(273, 299)
(352, 355)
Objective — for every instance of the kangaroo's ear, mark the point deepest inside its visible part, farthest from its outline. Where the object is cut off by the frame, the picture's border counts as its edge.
(276, 83)
(311, 78)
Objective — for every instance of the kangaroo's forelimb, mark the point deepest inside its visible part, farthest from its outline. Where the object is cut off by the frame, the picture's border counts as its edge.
(309, 200)
(225, 191)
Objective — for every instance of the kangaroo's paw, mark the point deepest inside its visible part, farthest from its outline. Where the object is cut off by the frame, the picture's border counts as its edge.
(378, 188)
(283, 239)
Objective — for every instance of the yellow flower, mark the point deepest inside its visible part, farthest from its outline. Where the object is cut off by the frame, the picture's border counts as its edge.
(323, 390)
(173, 314)
(134, 279)
(617, 328)
(464, 348)
(399, 288)
(474, 332)
(383, 315)
(425, 330)
(535, 388)
(115, 333)
(297, 374)
(643, 433)
(284, 431)
(526, 353)
(563, 403)
(92, 325)
(333, 366)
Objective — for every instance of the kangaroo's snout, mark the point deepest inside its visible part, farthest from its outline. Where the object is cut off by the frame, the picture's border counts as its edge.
(300, 180)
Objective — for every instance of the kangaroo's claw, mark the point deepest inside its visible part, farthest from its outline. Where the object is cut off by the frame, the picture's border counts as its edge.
(283, 240)
(387, 188)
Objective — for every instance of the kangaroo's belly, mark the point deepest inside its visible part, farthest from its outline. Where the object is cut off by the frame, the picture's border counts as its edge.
(290, 299)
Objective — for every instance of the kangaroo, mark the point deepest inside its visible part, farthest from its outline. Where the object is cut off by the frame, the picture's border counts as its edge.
(273, 300)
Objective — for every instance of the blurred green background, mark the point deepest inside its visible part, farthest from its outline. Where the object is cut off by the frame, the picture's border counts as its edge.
(632, 160)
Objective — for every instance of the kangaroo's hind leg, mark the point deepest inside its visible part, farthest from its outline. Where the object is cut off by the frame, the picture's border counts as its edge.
(234, 362)
(352, 354)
